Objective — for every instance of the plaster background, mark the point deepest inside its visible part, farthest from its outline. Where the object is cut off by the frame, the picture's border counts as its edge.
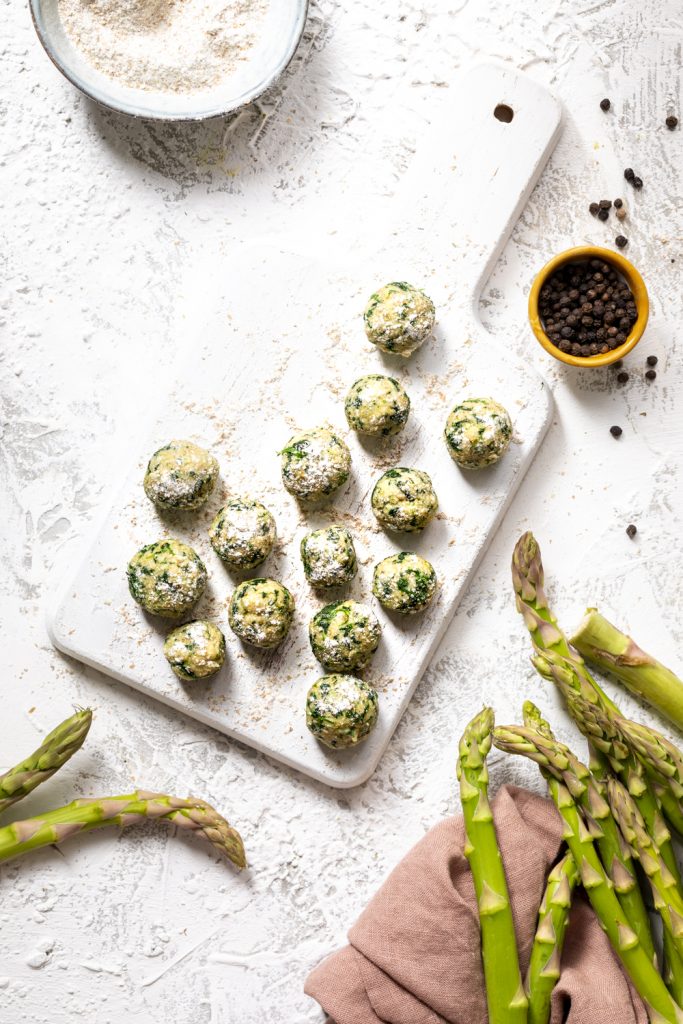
(106, 226)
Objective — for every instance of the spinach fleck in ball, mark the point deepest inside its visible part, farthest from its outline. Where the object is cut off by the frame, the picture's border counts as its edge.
(344, 636)
(399, 318)
(404, 583)
(195, 650)
(243, 533)
(478, 433)
(315, 464)
(166, 578)
(377, 405)
(181, 475)
(404, 500)
(261, 612)
(341, 710)
(329, 557)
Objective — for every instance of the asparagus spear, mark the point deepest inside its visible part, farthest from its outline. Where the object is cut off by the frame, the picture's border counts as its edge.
(555, 659)
(663, 763)
(507, 1002)
(607, 733)
(626, 944)
(546, 952)
(629, 747)
(86, 815)
(533, 719)
(54, 751)
(532, 603)
(618, 741)
(612, 651)
(666, 894)
(557, 760)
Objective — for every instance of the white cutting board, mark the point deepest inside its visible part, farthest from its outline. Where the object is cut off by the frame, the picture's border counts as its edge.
(277, 354)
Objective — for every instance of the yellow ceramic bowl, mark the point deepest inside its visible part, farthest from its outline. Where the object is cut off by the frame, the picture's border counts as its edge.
(635, 283)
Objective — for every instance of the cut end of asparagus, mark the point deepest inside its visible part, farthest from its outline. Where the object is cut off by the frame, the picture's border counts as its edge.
(616, 653)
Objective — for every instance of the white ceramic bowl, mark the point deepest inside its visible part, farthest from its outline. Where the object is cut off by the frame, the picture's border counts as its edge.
(278, 38)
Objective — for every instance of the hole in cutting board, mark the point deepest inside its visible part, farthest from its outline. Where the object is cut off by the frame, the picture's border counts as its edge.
(503, 113)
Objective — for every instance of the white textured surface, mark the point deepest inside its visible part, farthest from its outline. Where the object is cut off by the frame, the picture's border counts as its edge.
(103, 221)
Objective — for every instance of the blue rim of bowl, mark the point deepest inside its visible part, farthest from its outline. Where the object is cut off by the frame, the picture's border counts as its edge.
(245, 98)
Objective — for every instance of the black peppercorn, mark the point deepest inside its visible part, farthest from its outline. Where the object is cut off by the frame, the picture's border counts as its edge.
(593, 208)
(603, 214)
(621, 241)
(605, 104)
(618, 203)
(631, 530)
(651, 375)
(671, 122)
(587, 308)
(616, 431)
(651, 360)
(622, 377)
(605, 204)
(629, 174)
(637, 183)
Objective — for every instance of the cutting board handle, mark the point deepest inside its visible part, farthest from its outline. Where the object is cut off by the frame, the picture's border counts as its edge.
(474, 172)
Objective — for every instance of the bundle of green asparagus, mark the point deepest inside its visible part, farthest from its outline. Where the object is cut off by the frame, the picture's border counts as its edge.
(617, 811)
(55, 826)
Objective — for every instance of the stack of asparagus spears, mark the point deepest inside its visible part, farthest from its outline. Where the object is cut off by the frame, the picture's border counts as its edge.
(85, 815)
(617, 812)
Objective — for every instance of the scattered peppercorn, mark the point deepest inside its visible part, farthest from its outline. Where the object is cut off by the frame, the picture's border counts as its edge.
(593, 208)
(651, 375)
(622, 377)
(629, 174)
(618, 203)
(605, 104)
(631, 530)
(621, 213)
(603, 214)
(637, 183)
(605, 204)
(616, 431)
(621, 241)
(651, 360)
(671, 122)
(619, 363)
(587, 308)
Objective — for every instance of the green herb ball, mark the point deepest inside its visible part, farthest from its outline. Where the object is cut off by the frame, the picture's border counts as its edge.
(478, 433)
(260, 612)
(195, 650)
(329, 557)
(404, 583)
(166, 578)
(344, 636)
(399, 318)
(341, 710)
(315, 464)
(377, 405)
(181, 475)
(404, 500)
(243, 533)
